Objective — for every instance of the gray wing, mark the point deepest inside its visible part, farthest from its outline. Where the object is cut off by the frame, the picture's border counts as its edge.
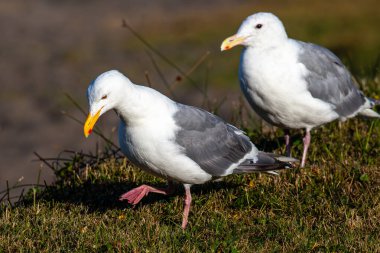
(213, 144)
(265, 162)
(329, 80)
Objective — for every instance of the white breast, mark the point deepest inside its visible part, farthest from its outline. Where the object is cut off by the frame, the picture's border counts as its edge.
(149, 142)
(273, 83)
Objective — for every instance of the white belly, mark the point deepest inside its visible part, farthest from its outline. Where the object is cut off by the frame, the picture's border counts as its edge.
(280, 97)
(153, 149)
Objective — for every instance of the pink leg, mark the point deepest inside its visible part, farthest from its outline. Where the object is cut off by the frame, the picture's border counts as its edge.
(287, 143)
(135, 195)
(187, 205)
(306, 143)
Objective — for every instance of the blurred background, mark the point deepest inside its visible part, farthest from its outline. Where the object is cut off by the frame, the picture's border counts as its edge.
(49, 48)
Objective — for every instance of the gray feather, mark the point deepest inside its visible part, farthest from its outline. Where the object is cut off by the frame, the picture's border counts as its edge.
(265, 162)
(213, 144)
(329, 80)
(369, 112)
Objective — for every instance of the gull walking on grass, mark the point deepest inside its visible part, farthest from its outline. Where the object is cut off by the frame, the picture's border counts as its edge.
(173, 141)
(292, 84)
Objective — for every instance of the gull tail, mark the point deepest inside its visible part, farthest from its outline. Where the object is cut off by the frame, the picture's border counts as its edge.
(369, 112)
(265, 162)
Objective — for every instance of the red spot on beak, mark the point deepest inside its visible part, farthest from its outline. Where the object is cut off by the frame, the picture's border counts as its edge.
(89, 131)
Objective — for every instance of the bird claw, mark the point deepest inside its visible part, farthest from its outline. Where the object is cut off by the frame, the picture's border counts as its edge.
(135, 195)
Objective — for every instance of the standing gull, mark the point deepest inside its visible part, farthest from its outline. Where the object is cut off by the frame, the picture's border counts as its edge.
(173, 141)
(292, 84)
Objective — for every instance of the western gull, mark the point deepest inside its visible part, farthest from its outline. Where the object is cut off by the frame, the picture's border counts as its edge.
(292, 84)
(173, 141)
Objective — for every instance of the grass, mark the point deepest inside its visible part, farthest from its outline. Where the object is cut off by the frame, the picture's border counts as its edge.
(333, 205)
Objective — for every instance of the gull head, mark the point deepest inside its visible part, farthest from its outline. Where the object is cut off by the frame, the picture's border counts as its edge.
(260, 29)
(103, 94)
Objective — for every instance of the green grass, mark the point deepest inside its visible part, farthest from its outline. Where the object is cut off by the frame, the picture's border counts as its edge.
(333, 205)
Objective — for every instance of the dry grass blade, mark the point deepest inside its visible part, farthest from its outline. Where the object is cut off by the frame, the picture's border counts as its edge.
(72, 100)
(148, 79)
(161, 75)
(157, 52)
(197, 63)
(19, 186)
(40, 158)
(95, 130)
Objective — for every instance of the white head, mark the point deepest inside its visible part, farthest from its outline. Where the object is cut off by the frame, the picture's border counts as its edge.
(104, 94)
(258, 30)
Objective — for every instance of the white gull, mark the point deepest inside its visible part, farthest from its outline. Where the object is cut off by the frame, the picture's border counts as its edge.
(173, 141)
(292, 84)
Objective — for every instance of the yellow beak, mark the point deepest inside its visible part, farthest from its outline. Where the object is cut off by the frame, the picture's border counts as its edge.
(232, 41)
(90, 122)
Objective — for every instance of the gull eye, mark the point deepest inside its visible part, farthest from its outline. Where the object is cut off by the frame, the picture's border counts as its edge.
(104, 97)
(258, 26)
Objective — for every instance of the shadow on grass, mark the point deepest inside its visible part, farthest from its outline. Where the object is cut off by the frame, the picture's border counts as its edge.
(269, 144)
(102, 196)
(101, 189)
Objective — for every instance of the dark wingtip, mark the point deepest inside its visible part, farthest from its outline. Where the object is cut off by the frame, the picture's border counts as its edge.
(267, 162)
(286, 159)
(286, 162)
